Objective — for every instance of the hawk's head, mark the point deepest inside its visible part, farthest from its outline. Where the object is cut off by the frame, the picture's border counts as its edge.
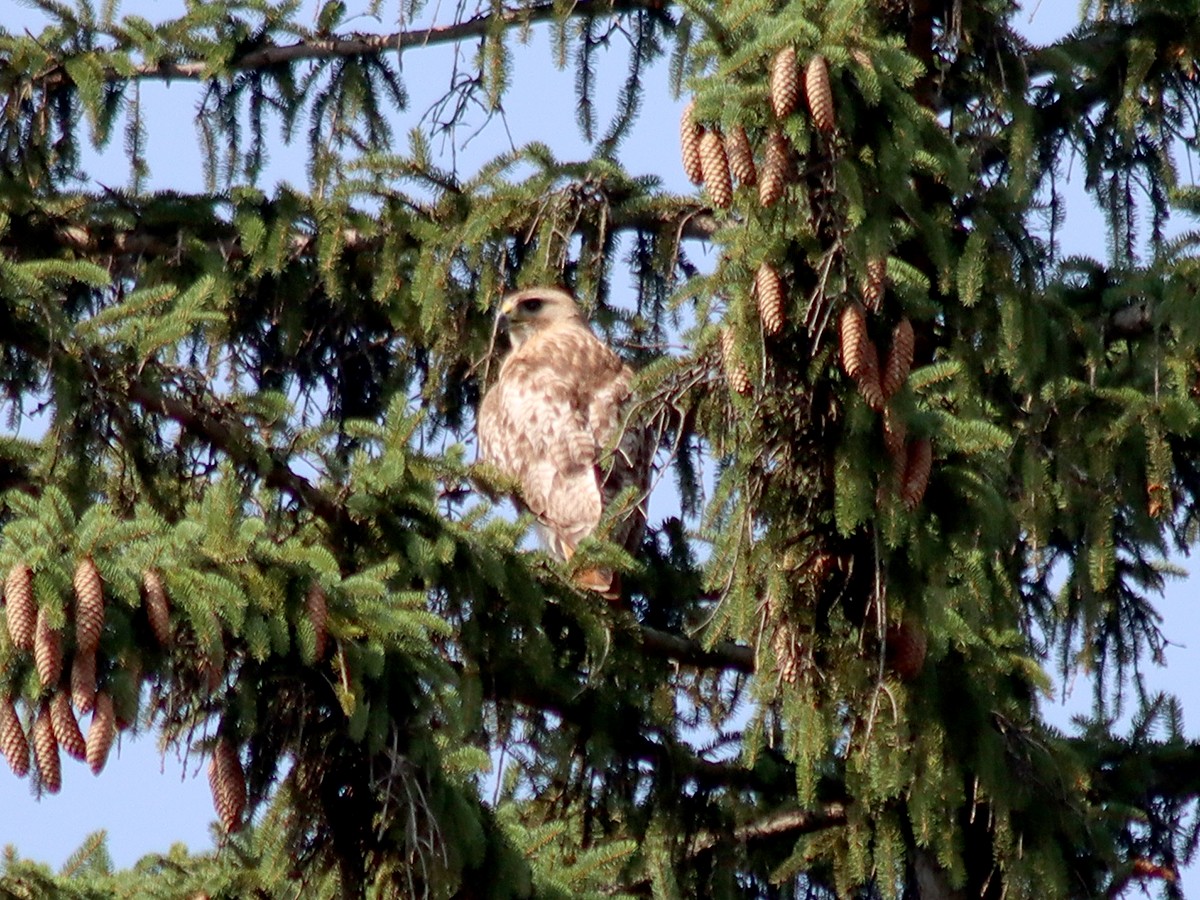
(528, 311)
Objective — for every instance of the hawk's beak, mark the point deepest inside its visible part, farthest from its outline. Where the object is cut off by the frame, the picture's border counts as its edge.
(503, 320)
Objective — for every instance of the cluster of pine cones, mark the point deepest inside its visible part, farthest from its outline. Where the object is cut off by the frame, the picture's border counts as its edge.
(55, 725)
(912, 461)
(714, 160)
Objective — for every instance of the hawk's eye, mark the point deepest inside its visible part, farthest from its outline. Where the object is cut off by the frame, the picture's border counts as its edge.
(532, 306)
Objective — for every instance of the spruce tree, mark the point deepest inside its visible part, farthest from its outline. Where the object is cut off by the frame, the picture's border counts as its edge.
(924, 463)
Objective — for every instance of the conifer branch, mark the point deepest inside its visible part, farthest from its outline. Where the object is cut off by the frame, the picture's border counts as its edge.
(692, 220)
(360, 44)
(688, 652)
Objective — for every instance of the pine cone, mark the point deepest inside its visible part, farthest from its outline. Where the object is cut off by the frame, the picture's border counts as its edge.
(905, 647)
(875, 283)
(895, 437)
(868, 377)
(740, 156)
(819, 94)
(715, 167)
(785, 82)
(228, 785)
(776, 169)
(316, 603)
(66, 729)
(689, 142)
(916, 472)
(101, 732)
(852, 331)
(735, 370)
(158, 608)
(12, 738)
(899, 359)
(47, 651)
(768, 288)
(45, 751)
(21, 612)
(89, 606)
(83, 682)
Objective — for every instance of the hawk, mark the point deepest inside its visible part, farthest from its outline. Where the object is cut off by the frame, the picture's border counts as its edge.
(556, 422)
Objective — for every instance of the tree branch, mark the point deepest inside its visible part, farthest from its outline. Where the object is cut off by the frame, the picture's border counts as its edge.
(688, 652)
(359, 44)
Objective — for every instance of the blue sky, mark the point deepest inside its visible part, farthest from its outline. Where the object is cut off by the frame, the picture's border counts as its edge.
(147, 801)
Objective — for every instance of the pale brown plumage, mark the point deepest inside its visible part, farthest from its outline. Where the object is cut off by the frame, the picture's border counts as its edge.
(555, 421)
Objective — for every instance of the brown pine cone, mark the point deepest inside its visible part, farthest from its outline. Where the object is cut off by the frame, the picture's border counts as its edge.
(12, 738)
(740, 156)
(895, 437)
(735, 370)
(776, 170)
(19, 607)
(83, 682)
(784, 82)
(316, 603)
(158, 607)
(819, 94)
(868, 377)
(905, 647)
(916, 472)
(769, 291)
(66, 728)
(899, 359)
(45, 751)
(101, 732)
(47, 650)
(852, 333)
(875, 283)
(228, 785)
(89, 606)
(715, 167)
(689, 142)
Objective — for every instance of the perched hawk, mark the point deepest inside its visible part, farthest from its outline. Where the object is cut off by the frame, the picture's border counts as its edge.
(555, 420)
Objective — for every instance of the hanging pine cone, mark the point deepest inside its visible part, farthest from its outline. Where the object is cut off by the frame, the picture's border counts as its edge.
(47, 650)
(852, 333)
(89, 606)
(20, 609)
(66, 728)
(83, 682)
(735, 370)
(228, 785)
(715, 167)
(45, 751)
(905, 646)
(899, 359)
(895, 438)
(12, 738)
(101, 732)
(875, 283)
(819, 94)
(868, 377)
(769, 291)
(689, 142)
(158, 608)
(776, 169)
(316, 603)
(740, 156)
(916, 472)
(784, 82)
